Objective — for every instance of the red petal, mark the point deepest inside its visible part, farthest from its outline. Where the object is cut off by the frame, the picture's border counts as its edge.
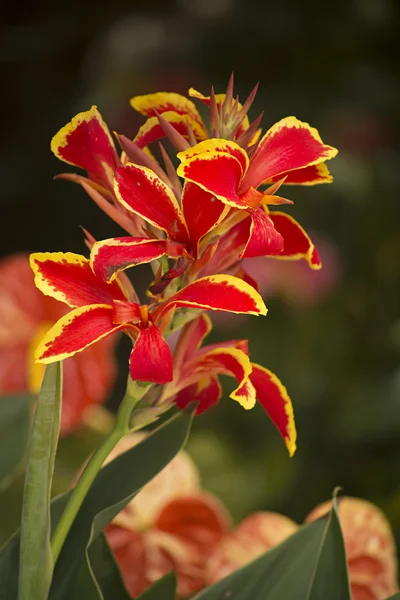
(190, 339)
(151, 358)
(218, 292)
(110, 257)
(75, 331)
(86, 143)
(201, 210)
(69, 279)
(288, 145)
(206, 392)
(297, 244)
(313, 175)
(216, 172)
(142, 192)
(263, 237)
(274, 399)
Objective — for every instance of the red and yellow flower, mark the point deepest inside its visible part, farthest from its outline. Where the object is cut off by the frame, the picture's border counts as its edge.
(196, 378)
(100, 308)
(25, 316)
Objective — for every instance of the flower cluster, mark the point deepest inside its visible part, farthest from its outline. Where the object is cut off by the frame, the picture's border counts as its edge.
(193, 224)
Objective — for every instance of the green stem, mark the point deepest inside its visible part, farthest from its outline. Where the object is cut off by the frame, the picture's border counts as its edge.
(78, 495)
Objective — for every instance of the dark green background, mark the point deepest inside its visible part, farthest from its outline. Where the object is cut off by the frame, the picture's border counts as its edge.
(332, 64)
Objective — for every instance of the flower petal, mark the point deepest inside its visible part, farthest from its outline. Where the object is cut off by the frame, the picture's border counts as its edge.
(109, 257)
(201, 211)
(163, 102)
(75, 331)
(86, 143)
(206, 392)
(152, 130)
(217, 145)
(225, 361)
(218, 292)
(141, 191)
(67, 277)
(290, 144)
(191, 337)
(151, 358)
(219, 173)
(264, 239)
(313, 175)
(297, 244)
(274, 399)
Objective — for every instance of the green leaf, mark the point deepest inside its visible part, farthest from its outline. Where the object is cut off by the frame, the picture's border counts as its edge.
(36, 563)
(395, 597)
(309, 565)
(113, 488)
(15, 421)
(164, 588)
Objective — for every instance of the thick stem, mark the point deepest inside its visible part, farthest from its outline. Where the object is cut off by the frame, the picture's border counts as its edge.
(78, 495)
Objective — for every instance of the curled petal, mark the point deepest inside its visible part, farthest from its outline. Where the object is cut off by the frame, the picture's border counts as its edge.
(86, 143)
(162, 102)
(274, 399)
(152, 129)
(109, 257)
(67, 277)
(141, 191)
(223, 361)
(192, 336)
(263, 239)
(218, 292)
(75, 331)
(151, 358)
(297, 244)
(313, 175)
(290, 144)
(201, 210)
(206, 392)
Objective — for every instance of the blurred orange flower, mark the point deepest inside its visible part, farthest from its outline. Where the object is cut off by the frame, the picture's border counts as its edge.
(170, 525)
(25, 316)
(368, 538)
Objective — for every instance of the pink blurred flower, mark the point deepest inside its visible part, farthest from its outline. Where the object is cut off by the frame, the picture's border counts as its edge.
(25, 316)
(369, 543)
(170, 525)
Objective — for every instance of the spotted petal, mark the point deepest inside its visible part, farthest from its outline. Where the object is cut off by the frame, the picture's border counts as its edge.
(142, 192)
(297, 244)
(290, 144)
(218, 292)
(109, 257)
(75, 331)
(274, 399)
(86, 143)
(67, 277)
(151, 358)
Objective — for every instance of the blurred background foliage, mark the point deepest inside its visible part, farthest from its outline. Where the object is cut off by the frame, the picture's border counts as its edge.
(333, 337)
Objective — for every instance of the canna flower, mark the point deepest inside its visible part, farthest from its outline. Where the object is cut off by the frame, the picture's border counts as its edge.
(369, 543)
(25, 316)
(171, 524)
(100, 308)
(197, 369)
